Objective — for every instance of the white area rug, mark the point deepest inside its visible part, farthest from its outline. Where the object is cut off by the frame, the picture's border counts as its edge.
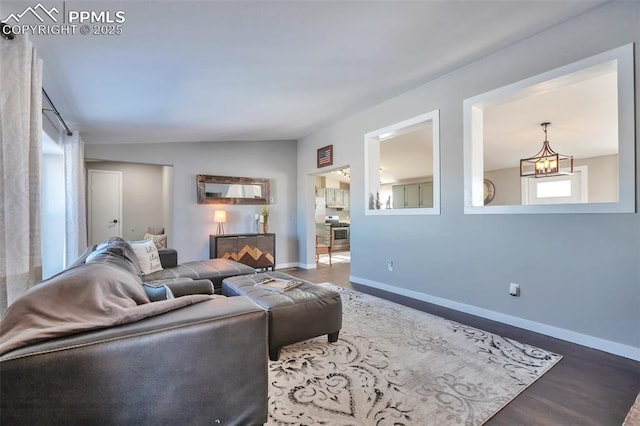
(340, 257)
(633, 416)
(394, 365)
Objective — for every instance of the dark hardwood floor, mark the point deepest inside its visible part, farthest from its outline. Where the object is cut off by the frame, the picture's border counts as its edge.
(587, 387)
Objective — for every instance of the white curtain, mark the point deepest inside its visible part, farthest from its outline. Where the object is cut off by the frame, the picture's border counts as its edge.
(20, 149)
(75, 207)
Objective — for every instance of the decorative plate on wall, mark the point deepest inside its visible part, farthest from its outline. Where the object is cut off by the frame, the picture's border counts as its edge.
(489, 191)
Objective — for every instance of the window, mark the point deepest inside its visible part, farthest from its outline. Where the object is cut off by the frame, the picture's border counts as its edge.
(52, 207)
(560, 188)
(567, 189)
(402, 167)
(590, 105)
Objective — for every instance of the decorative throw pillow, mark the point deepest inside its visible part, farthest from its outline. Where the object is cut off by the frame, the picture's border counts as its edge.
(158, 292)
(147, 255)
(159, 240)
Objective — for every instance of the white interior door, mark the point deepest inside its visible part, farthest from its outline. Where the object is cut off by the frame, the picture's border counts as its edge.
(105, 205)
(556, 190)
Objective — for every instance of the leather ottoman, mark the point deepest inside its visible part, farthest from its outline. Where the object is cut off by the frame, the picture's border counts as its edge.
(306, 311)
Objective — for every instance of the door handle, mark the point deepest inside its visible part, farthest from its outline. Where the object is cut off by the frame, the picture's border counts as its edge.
(114, 221)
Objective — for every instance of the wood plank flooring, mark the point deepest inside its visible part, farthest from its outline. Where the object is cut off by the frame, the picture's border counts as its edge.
(587, 387)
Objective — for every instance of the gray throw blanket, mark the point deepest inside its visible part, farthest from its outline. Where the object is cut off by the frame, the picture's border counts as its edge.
(85, 297)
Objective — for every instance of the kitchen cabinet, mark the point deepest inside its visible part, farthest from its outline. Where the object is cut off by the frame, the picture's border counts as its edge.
(397, 193)
(335, 197)
(345, 198)
(426, 195)
(415, 195)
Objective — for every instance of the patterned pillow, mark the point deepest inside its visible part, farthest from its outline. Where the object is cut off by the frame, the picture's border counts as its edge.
(159, 240)
(147, 255)
(155, 230)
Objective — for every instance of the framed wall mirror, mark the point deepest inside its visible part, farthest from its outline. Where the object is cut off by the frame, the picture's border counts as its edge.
(231, 190)
(584, 112)
(402, 167)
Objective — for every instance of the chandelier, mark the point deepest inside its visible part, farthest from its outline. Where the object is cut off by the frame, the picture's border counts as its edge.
(546, 162)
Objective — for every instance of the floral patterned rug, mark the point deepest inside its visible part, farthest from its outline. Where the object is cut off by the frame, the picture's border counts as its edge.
(394, 365)
(633, 416)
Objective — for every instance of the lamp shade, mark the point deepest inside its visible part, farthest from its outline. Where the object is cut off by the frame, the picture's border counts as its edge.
(220, 216)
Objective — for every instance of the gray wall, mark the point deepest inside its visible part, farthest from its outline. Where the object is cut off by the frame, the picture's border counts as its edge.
(580, 276)
(142, 196)
(193, 223)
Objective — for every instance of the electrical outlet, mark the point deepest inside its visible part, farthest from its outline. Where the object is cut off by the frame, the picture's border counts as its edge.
(514, 289)
(390, 265)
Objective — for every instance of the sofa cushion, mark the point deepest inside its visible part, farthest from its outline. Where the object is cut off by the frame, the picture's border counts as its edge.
(212, 269)
(183, 286)
(147, 255)
(115, 251)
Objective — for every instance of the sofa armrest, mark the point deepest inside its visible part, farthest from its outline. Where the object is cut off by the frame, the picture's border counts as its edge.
(203, 364)
(168, 258)
(185, 286)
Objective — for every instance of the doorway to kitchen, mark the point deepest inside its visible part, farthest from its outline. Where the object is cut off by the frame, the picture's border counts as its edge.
(332, 217)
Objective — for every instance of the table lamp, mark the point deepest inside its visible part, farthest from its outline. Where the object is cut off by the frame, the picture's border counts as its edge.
(220, 216)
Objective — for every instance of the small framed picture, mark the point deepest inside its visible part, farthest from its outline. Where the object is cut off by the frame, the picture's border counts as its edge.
(325, 156)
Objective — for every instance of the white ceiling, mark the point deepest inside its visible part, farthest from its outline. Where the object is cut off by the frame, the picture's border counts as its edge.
(218, 71)
(583, 116)
(407, 155)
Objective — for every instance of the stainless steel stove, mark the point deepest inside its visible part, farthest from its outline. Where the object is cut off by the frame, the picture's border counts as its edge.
(339, 232)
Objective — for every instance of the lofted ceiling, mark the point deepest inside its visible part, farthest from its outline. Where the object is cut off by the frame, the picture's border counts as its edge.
(185, 71)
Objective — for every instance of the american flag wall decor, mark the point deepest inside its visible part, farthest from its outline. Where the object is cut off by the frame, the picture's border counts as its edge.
(325, 156)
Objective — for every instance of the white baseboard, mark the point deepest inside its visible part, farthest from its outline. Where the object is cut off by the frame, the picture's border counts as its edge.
(296, 265)
(290, 265)
(548, 330)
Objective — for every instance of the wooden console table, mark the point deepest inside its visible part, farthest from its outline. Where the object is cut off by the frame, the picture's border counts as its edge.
(255, 250)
